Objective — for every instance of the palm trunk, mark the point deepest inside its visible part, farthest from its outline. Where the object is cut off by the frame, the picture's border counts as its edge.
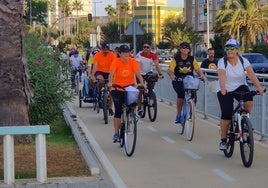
(15, 93)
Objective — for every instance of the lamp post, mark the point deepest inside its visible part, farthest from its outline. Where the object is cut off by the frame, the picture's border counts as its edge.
(207, 4)
(155, 25)
(95, 13)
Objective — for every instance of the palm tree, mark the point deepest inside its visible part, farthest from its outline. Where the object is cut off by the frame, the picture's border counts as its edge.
(15, 92)
(125, 8)
(66, 11)
(111, 11)
(77, 5)
(245, 20)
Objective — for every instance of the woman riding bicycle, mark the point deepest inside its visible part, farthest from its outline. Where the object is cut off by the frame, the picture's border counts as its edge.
(181, 65)
(233, 71)
(122, 73)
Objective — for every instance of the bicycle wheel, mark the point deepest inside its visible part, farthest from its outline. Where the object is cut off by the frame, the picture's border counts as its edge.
(190, 120)
(247, 144)
(95, 96)
(143, 105)
(80, 98)
(105, 106)
(152, 106)
(230, 144)
(76, 84)
(121, 135)
(130, 133)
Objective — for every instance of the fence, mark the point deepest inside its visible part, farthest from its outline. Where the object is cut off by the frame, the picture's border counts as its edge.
(207, 102)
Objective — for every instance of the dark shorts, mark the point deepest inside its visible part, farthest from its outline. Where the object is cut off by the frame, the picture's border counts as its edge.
(178, 87)
(118, 99)
(227, 102)
(105, 75)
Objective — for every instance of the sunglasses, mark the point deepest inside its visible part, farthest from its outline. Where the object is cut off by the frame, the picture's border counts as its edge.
(229, 48)
(146, 46)
(185, 47)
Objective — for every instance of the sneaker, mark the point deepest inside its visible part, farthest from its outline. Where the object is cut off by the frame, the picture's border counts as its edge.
(140, 111)
(223, 145)
(111, 112)
(116, 138)
(178, 119)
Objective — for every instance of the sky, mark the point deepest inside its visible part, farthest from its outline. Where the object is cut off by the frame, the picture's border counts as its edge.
(104, 3)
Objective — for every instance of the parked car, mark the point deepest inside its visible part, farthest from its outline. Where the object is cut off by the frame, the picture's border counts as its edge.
(258, 62)
(165, 58)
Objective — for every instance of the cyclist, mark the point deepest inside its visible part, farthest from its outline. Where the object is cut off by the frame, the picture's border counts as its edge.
(76, 62)
(233, 77)
(147, 59)
(122, 72)
(102, 61)
(181, 65)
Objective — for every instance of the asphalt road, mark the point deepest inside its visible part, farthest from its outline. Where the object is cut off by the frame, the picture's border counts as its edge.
(163, 158)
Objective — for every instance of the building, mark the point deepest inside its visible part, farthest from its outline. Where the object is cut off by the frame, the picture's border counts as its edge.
(150, 13)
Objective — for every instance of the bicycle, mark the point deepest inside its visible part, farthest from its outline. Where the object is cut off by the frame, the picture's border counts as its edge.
(102, 98)
(148, 99)
(241, 130)
(129, 119)
(191, 85)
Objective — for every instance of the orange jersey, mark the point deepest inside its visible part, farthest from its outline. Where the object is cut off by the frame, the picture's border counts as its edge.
(103, 62)
(124, 72)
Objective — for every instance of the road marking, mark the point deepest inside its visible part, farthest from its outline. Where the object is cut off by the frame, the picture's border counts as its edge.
(169, 140)
(191, 154)
(223, 175)
(152, 128)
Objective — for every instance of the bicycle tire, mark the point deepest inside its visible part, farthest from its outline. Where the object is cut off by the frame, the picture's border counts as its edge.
(121, 135)
(105, 106)
(190, 120)
(230, 144)
(247, 144)
(95, 97)
(76, 84)
(130, 135)
(152, 106)
(80, 99)
(143, 105)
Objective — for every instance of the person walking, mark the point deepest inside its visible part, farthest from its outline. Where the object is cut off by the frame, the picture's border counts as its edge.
(233, 71)
(181, 65)
(210, 62)
(122, 73)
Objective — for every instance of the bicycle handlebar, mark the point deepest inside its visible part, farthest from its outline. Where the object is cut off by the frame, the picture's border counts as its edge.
(243, 94)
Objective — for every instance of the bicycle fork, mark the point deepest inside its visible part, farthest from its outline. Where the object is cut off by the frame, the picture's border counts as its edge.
(240, 132)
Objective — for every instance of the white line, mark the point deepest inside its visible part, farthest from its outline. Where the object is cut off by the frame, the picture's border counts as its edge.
(152, 128)
(191, 154)
(166, 138)
(223, 175)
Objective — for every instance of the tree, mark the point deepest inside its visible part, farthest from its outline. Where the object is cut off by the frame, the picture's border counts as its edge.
(77, 5)
(37, 11)
(15, 92)
(125, 8)
(245, 20)
(111, 11)
(176, 31)
(66, 11)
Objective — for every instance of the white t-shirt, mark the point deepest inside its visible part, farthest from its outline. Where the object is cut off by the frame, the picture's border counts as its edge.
(75, 61)
(146, 64)
(235, 75)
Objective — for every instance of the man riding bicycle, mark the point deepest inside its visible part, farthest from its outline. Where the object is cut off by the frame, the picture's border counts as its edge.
(101, 66)
(147, 59)
(76, 62)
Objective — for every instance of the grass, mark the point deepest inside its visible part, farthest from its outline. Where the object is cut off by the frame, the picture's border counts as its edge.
(63, 155)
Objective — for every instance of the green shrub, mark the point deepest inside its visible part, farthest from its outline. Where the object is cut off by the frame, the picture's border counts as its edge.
(50, 91)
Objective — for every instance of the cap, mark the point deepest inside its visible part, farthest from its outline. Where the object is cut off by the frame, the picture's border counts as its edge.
(76, 52)
(124, 48)
(184, 44)
(232, 42)
(105, 46)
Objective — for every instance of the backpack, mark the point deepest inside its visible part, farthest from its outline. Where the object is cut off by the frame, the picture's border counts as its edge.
(240, 58)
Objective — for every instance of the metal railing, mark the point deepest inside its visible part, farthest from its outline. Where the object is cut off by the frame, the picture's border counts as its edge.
(207, 102)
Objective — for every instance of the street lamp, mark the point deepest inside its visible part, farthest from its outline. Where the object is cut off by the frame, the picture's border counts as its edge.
(95, 13)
